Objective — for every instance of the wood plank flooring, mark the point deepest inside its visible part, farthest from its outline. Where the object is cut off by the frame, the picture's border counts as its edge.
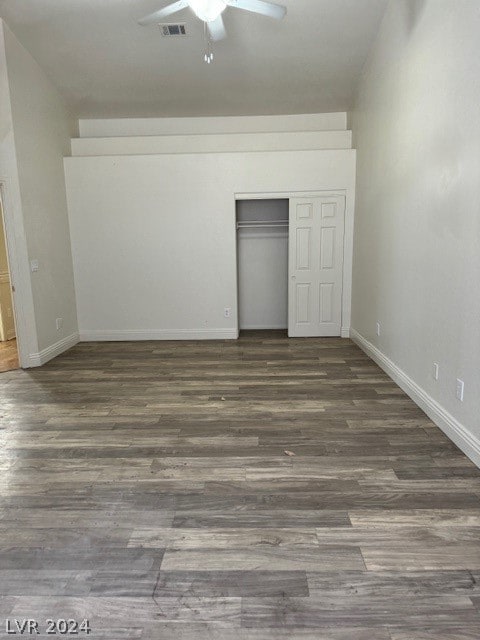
(8, 355)
(145, 487)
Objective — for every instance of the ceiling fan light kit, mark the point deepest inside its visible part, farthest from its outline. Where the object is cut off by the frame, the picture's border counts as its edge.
(210, 12)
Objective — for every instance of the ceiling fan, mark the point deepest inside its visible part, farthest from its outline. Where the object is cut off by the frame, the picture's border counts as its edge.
(210, 12)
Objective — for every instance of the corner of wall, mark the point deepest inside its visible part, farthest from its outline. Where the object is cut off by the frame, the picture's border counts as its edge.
(31, 160)
(349, 120)
(453, 428)
(417, 267)
(43, 356)
(13, 216)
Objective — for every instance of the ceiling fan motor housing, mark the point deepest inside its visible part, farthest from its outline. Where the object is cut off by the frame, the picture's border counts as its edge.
(207, 10)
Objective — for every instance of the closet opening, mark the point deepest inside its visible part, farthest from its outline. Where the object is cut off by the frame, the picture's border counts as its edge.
(262, 250)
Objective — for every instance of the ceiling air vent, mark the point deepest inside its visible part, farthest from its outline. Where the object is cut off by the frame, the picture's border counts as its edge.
(173, 29)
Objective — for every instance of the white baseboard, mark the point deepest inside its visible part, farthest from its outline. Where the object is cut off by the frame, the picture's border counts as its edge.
(159, 334)
(455, 430)
(43, 356)
(345, 332)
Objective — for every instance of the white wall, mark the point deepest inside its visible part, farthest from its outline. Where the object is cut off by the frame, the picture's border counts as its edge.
(212, 143)
(262, 266)
(42, 129)
(100, 128)
(154, 238)
(417, 232)
(12, 209)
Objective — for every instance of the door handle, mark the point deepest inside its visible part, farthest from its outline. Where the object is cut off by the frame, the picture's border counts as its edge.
(294, 277)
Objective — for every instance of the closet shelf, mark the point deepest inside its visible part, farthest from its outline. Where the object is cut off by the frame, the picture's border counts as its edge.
(262, 224)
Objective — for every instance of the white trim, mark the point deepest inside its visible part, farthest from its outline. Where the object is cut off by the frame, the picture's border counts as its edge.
(455, 430)
(43, 356)
(345, 332)
(157, 334)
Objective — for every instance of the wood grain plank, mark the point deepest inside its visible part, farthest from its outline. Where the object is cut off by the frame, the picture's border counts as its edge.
(145, 486)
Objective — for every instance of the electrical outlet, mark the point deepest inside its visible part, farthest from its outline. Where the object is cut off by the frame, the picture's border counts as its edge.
(59, 323)
(460, 389)
(378, 328)
(227, 312)
(436, 369)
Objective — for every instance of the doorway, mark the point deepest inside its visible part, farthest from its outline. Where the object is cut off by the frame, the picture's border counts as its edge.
(8, 341)
(262, 250)
(291, 264)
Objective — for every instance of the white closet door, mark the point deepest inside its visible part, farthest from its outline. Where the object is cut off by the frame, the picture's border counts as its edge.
(315, 266)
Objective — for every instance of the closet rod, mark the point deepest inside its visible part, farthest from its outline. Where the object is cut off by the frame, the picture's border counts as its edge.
(260, 225)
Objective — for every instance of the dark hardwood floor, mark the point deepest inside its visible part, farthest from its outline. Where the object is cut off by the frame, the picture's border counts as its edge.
(145, 487)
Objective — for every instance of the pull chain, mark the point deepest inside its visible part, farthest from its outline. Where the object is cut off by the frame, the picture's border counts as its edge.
(208, 57)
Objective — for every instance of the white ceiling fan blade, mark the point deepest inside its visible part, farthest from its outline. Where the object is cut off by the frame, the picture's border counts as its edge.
(259, 6)
(163, 13)
(216, 29)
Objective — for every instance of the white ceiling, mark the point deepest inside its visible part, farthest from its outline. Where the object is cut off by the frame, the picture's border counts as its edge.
(106, 65)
